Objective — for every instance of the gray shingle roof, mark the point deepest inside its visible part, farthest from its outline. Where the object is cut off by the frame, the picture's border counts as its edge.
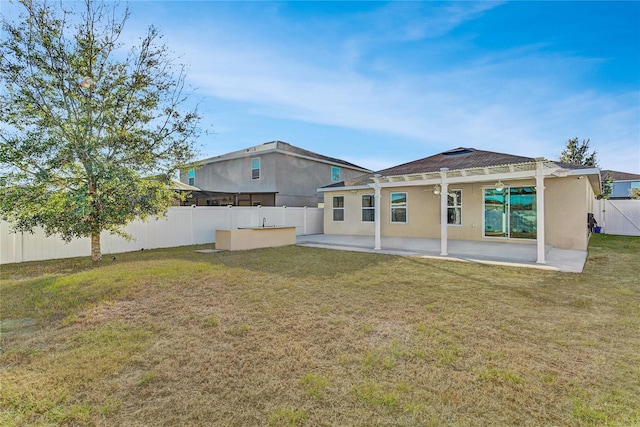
(619, 176)
(458, 158)
(455, 159)
(285, 146)
(282, 147)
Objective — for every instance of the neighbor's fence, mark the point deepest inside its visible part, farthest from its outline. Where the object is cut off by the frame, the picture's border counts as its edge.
(182, 226)
(618, 216)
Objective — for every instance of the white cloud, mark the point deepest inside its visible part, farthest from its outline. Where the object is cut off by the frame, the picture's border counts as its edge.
(519, 102)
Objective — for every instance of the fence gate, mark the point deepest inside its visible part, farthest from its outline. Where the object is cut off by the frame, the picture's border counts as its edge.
(620, 217)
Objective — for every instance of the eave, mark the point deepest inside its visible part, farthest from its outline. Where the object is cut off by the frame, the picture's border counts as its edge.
(488, 174)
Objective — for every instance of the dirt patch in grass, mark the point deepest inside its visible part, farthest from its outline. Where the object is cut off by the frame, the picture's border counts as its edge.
(302, 336)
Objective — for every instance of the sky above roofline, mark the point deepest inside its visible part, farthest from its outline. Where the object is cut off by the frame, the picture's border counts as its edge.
(384, 83)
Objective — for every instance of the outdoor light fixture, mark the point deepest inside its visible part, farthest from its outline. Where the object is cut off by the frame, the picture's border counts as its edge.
(499, 185)
(436, 189)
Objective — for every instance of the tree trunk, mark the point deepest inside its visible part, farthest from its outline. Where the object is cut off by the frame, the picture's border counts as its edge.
(96, 252)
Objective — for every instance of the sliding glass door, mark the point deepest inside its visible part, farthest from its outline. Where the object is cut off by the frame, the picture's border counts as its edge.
(510, 213)
(495, 213)
(522, 213)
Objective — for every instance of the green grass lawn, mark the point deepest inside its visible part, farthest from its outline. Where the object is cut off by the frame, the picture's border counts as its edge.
(300, 336)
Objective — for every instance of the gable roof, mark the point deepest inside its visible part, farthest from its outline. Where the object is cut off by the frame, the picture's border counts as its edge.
(285, 148)
(619, 176)
(461, 158)
(458, 158)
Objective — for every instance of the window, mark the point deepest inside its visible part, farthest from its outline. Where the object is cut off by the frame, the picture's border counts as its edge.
(368, 208)
(338, 208)
(192, 177)
(255, 168)
(335, 174)
(399, 207)
(454, 207)
(510, 213)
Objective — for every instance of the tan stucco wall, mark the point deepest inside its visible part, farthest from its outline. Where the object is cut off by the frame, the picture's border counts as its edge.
(352, 223)
(242, 239)
(567, 201)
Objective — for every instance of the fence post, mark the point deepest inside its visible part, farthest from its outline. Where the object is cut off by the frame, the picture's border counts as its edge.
(304, 224)
(192, 239)
(17, 246)
(259, 214)
(21, 247)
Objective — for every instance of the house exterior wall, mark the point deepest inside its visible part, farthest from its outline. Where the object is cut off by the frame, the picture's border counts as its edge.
(567, 202)
(622, 189)
(298, 179)
(234, 175)
(471, 228)
(352, 223)
(294, 179)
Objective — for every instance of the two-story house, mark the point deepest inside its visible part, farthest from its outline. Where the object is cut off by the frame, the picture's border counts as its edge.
(622, 183)
(272, 174)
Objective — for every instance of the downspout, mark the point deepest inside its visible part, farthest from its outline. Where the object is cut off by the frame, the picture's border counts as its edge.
(540, 238)
(444, 194)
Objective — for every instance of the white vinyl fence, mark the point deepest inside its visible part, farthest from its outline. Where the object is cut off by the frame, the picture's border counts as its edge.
(618, 216)
(182, 226)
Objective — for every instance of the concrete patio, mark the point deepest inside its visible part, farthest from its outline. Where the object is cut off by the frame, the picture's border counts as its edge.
(498, 253)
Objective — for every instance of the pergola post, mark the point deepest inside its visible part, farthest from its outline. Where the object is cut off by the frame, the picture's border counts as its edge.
(540, 238)
(444, 199)
(376, 216)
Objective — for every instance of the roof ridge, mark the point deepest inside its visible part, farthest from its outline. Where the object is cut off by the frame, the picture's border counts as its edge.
(283, 146)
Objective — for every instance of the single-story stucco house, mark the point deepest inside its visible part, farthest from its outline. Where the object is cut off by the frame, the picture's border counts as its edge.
(469, 194)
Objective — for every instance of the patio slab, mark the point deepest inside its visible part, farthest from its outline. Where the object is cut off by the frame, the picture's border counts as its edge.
(498, 253)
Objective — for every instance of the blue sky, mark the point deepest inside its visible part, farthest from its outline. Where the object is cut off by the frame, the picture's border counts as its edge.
(380, 84)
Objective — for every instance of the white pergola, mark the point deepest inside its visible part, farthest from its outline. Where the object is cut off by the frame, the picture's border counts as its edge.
(538, 169)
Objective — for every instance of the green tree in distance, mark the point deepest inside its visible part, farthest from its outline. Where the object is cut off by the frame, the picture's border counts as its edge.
(91, 135)
(577, 153)
(607, 187)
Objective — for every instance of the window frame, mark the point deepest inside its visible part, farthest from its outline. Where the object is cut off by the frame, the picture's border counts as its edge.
(457, 207)
(335, 174)
(371, 208)
(404, 207)
(191, 174)
(259, 168)
(509, 233)
(335, 209)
